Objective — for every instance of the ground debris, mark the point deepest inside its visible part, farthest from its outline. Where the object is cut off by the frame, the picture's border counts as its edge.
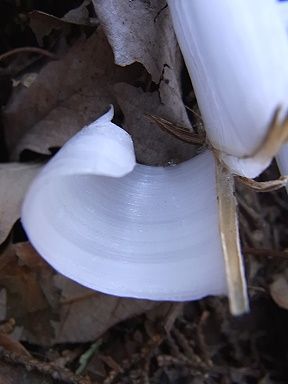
(51, 328)
(47, 369)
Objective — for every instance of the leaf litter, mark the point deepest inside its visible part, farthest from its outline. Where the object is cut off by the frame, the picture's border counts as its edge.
(58, 321)
(14, 180)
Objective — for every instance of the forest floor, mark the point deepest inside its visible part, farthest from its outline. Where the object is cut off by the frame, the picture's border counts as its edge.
(55, 331)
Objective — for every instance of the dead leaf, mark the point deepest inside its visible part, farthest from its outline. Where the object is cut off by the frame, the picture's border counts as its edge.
(26, 300)
(79, 15)
(279, 290)
(22, 282)
(67, 95)
(152, 145)
(142, 31)
(139, 31)
(54, 309)
(28, 256)
(55, 84)
(12, 345)
(85, 314)
(15, 179)
(42, 24)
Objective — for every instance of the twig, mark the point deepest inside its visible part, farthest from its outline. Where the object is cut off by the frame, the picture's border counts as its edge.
(257, 289)
(266, 252)
(201, 339)
(186, 348)
(195, 113)
(179, 132)
(50, 369)
(144, 355)
(40, 51)
(174, 311)
(86, 356)
(79, 298)
(264, 186)
(166, 360)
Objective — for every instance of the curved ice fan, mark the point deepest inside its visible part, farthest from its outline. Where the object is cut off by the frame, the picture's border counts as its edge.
(123, 228)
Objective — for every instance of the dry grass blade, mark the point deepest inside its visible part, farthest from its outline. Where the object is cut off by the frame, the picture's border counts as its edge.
(39, 51)
(270, 253)
(264, 186)
(237, 287)
(276, 136)
(176, 131)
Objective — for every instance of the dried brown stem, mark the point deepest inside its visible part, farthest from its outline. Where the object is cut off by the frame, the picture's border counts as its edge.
(266, 252)
(229, 231)
(39, 51)
(264, 186)
(177, 131)
(55, 372)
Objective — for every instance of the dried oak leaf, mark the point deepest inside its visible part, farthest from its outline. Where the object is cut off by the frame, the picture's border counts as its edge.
(152, 145)
(139, 31)
(27, 301)
(85, 314)
(42, 24)
(14, 180)
(54, 309)
(68, 94)
(142, 31)
(79, 15)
